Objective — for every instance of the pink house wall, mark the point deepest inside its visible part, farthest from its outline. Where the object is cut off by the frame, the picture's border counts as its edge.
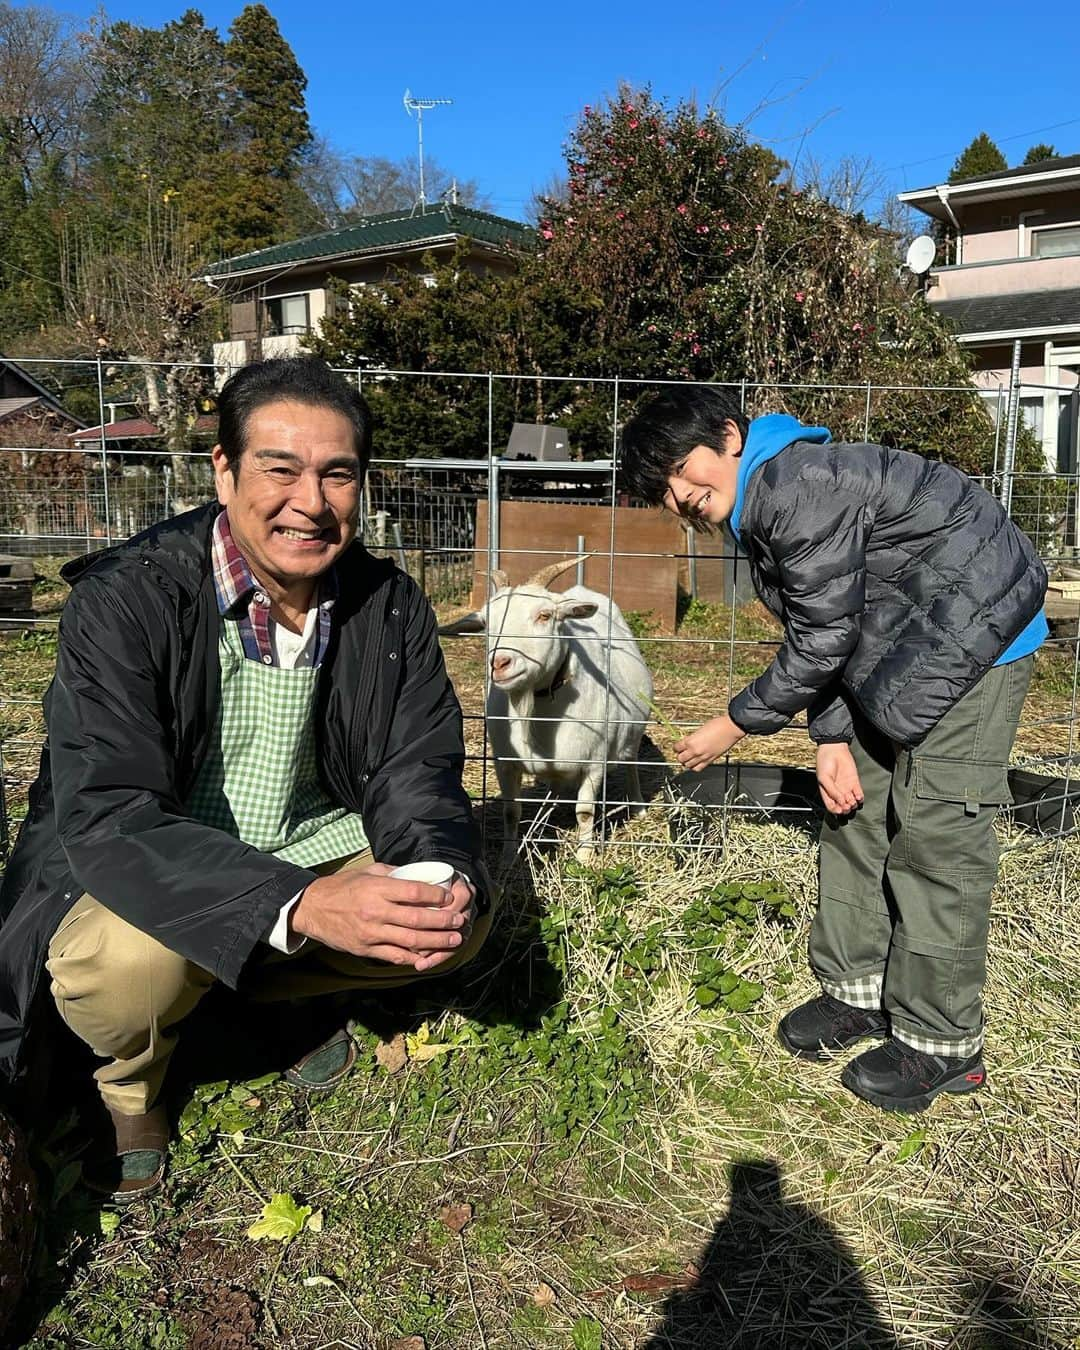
(987, 239)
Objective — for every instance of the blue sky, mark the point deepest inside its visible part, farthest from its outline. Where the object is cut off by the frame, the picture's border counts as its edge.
(907, 85)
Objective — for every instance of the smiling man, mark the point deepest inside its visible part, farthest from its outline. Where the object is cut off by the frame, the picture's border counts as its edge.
(250, 726)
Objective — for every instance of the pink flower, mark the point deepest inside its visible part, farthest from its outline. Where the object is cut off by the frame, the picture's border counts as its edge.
(800, 296)
(547, 234)
(703, 229)
(652, 328)
(759, 228)
(682, 209)
(856, 327)
(724, 225)
(702, 133)
(633, 124)
(696, 349)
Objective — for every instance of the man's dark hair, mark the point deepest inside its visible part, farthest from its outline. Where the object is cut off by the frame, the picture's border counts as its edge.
(299, 379)
(659, 437)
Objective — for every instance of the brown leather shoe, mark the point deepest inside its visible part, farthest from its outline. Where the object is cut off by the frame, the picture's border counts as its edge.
(323, 1068)
(130, 1162)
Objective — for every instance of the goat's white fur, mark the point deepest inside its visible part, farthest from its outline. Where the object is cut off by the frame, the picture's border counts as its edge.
(595, 717)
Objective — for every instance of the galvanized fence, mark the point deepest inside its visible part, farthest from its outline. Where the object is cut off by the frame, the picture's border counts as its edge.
(443, 519)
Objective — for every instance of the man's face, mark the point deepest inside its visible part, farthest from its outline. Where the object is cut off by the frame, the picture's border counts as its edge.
(294, 503)
(702, 488)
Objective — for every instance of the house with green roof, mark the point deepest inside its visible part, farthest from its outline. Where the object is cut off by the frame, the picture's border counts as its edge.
(279, 293)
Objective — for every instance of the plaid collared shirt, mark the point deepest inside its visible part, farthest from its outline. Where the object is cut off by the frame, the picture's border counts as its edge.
(242, 599)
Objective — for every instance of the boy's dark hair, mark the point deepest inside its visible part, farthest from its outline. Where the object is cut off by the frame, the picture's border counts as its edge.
(659, 437)
(300, 379)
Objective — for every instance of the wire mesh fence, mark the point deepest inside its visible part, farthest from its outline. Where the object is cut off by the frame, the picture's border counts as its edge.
(452, 519)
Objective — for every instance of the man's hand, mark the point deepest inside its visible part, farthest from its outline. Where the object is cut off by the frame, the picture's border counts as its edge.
(371, 914)
(838, 778)
(709, 743)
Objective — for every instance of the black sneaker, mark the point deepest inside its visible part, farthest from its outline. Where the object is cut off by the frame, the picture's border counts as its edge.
(825, 1025)
(898, 1078)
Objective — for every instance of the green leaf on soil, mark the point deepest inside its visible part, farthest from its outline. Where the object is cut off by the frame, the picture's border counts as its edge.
(911, 1145)
(282, 1219)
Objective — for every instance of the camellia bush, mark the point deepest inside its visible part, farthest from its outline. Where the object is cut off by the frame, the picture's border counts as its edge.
(677, 249)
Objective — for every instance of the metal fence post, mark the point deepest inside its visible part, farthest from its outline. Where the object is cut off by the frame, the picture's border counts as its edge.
(866, 414)
(1011, 430)
(493, 482)
(104, 458)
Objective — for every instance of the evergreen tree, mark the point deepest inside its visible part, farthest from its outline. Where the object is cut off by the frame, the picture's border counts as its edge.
(1038, 153)
(158, 119)
(253, 195)
(981, 157)
(271, 114)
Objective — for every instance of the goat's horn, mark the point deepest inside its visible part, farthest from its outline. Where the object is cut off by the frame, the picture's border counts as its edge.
(499, 580)
(547, 574)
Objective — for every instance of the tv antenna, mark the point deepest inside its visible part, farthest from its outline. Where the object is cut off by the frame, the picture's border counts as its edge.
(419, 106)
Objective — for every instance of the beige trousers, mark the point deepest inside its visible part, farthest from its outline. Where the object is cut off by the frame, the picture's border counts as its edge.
(124, 993)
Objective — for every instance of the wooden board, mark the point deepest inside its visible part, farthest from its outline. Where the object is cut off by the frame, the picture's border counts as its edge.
(647, 545)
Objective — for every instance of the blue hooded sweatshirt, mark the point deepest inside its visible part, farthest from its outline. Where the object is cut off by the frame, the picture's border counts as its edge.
(768, 435)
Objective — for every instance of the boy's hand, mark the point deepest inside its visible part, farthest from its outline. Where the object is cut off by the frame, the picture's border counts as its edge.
(709, 743)
(838, 778)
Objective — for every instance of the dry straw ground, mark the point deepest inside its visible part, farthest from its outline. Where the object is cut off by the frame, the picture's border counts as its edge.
(714, 1193)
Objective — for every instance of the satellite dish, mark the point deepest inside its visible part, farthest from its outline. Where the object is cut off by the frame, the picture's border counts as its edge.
(920, 254)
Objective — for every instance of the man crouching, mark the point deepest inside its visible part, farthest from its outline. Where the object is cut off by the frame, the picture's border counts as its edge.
(250, 726)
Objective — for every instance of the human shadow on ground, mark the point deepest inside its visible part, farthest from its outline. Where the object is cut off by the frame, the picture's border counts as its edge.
(998, 1317)
(774, 1274)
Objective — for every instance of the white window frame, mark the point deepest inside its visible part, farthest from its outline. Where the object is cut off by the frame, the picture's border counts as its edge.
(291, 330)
(1049, 229)
(1023, 248)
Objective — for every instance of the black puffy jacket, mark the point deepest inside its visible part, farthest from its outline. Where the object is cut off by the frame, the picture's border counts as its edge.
(128, 716)
(898, 580)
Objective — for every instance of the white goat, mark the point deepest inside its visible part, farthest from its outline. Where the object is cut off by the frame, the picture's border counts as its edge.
(568, 693)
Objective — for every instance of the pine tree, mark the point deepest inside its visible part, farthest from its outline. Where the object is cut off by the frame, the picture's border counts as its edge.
(981, 157)
(252, 194)
(1038, 153)
(271, 115)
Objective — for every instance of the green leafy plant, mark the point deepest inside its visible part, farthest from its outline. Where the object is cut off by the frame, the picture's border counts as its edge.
(718, 925)
(282, 1219)
(586, 1334)
(222, 1108)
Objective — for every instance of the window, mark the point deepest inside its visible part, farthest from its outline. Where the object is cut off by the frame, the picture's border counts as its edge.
(1055, 241)
(287, 314)
(1031, 413)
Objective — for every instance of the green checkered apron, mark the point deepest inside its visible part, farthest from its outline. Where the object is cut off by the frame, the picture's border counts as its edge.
(259, 781)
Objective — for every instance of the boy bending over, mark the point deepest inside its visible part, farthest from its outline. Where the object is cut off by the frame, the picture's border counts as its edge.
(912, 607)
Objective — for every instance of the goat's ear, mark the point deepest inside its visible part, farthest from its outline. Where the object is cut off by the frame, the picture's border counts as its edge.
(468, 623)
(576, 609)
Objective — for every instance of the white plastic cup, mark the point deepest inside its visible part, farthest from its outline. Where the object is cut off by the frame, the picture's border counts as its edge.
(432, 873)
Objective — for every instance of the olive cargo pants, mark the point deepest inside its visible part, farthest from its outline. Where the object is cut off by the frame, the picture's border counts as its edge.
(905, 882)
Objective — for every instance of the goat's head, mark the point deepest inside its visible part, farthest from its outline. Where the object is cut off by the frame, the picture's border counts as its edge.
(527, 645)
